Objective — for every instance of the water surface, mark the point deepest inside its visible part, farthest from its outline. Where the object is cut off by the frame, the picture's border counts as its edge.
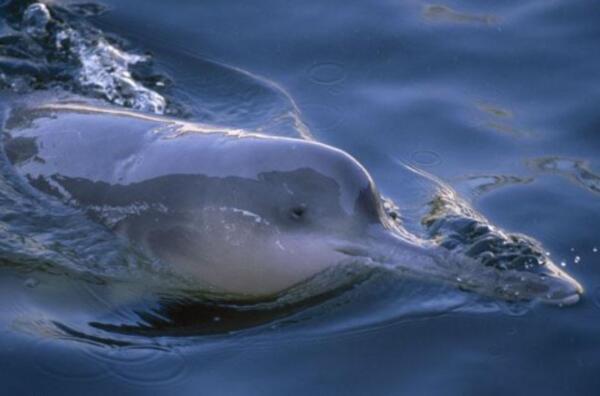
(498, 100)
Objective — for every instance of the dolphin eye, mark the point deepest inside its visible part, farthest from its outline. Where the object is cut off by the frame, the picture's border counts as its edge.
(298, 212)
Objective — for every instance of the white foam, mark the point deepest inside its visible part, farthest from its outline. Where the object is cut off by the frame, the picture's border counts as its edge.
(103, 68)
(106, 70)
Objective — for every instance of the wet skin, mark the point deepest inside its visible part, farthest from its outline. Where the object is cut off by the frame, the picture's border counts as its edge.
(236, 212)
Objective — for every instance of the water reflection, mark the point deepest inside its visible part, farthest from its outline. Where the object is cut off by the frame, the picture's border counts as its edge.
(443, 13)
(483, 184)
(576, 170)
(502, 120)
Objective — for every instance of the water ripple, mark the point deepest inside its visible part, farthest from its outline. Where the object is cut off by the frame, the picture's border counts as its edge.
(576, 170)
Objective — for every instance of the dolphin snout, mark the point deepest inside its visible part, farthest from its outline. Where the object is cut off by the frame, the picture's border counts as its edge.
(562, 289)
(424, 259)
(547, 284)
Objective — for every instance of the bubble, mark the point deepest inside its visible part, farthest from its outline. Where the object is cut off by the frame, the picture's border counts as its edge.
(595, 249)
(577, 259)
(327, 73)
(36, 18)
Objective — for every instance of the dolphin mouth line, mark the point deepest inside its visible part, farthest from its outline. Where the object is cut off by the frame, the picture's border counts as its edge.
(366, 253)
(567, 298)
(353, 251)
(564, 301)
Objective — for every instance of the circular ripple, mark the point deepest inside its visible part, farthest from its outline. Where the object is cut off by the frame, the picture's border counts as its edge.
(327, 73)
(148, 365)
(67, 360)
(122, 355)
(425, 158)
(336, 90)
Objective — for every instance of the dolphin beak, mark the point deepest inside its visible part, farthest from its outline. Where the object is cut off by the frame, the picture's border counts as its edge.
(562, 288)
(426, 260)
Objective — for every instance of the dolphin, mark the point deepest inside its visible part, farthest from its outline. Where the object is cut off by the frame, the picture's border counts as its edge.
(237, 212)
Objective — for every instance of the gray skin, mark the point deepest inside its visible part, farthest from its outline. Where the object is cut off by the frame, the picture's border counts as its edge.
(236, 212)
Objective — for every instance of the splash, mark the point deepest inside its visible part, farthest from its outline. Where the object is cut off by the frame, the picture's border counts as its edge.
(49, 45)
(490, 260)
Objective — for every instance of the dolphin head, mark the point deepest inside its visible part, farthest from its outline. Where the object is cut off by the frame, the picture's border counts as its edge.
(297, 209)
(286, 210)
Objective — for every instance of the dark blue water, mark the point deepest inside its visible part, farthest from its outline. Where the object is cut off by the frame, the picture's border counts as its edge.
(498, 100)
